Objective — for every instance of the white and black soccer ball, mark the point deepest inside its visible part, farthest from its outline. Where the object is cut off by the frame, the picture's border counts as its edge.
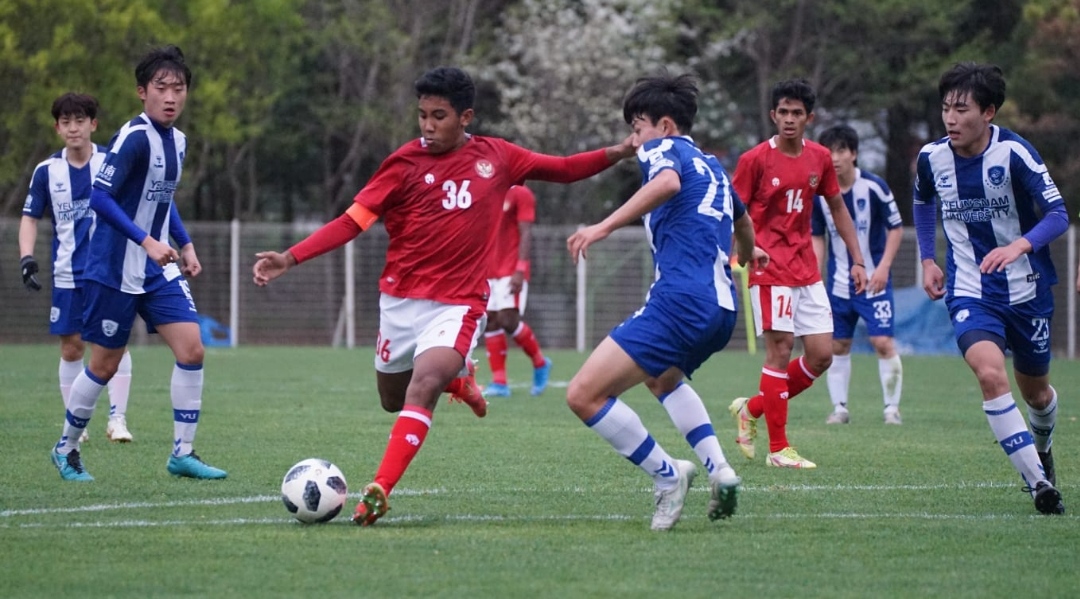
(314, 491)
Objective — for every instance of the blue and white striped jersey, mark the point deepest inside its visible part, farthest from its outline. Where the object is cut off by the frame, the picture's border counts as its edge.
(690, 234)
(63, 191)
(988, 201)
(140, 173)
(874, 212)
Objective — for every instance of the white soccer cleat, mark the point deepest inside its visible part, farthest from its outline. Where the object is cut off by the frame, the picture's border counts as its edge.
(789, 458)
(724, 493)
(117, 430)
(745, 424)
(669, 503)
(892, 415)
(838, 417)
(84, 437)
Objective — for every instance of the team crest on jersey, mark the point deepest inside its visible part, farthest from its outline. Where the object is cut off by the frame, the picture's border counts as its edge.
(813, 179)
(109, 327)
(485, 169)
(54, 314)
(860, 204)
(996, 176)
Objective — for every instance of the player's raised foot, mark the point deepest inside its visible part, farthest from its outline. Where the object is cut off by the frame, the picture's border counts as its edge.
(117, 430)
(789, 458)
(745, 424)
(1047, 459)
(497, 390)
(192, 466)
(540, 377)
(669, 503)
(70, 466)
(1047, 498)
(724, 489)
(373, 505)
(469, 394)
(892, 416)
(838, 417)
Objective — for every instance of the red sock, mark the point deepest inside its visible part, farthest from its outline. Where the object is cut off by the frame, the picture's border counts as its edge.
(406, 437)
(524, 337)
(800, 377)
(774, 393)
(496, 355)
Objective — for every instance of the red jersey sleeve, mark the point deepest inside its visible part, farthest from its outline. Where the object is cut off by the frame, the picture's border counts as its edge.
(525, 201)
(526, 164)
(383, 189)
(330, 236)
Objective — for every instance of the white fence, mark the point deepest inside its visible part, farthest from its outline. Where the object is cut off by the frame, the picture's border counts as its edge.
(333, 300)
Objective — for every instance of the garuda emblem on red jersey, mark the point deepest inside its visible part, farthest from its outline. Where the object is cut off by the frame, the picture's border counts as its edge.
(485, 169)
(813, 179)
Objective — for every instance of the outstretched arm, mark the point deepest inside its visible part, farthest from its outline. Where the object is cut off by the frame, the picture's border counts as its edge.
(332, 235)
(654, 193)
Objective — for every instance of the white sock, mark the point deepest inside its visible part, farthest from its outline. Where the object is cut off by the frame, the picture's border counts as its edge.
(187, 386)
(837, 378)
(688, 413)
(120, 387)
(1042, 423)
(68, 372)
(85, 390)
(1012, 434)
(891, 372)
(620, 426)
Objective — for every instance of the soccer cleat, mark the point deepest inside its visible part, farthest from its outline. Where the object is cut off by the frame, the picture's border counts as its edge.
(497, 390)
(373, 505)
(540, 377)
(789, 458)
(669, 503)
(84, 436)
(893, 416)
(192, 466)
(469, 392)
(70, 466)
(1047, 498)
(838, 417)
(117, 430)
(1047, 459)
(725, 494)
(746, 425)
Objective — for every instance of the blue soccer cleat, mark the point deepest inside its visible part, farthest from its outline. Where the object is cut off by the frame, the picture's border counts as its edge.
(497, 390)
(70, 466)
(540, 377)
(192, 466)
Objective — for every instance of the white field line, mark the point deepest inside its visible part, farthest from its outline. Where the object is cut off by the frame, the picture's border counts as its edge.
(219, 501)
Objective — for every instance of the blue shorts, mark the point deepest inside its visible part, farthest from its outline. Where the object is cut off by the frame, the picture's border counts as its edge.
(66, 314)
(877, 312)
(1025, 328)
(668, 332)
(110, 313)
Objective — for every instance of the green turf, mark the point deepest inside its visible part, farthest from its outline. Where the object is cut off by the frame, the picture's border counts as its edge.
(526, 502)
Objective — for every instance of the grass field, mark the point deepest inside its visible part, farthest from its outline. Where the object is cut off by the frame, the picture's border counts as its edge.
(526, 502)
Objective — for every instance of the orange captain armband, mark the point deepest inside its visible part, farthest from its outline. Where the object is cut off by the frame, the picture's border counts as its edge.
(363, 217)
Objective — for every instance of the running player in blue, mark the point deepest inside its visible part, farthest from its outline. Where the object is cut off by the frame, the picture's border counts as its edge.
(133, 270)
(878, 229)
(689, 209)
(1000, 210)
(60, 187)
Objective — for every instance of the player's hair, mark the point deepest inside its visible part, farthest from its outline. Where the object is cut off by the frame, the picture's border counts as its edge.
(795, 89)
(984, 82)
(451, 83)
(76, 105)
(840, 137)
(167, 58)
(663, 95)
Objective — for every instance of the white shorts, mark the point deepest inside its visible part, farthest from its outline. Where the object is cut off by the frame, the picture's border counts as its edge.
(799, 310)
(502, 299)
(409, 327)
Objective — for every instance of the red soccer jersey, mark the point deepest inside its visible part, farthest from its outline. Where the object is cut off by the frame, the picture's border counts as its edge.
(441, 211)
(779, 191)
(518, 207)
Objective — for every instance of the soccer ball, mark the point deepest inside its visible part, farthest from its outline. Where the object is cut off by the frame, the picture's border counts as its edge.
(314, 491)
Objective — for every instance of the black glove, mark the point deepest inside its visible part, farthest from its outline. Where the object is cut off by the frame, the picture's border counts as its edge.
(29, 270)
